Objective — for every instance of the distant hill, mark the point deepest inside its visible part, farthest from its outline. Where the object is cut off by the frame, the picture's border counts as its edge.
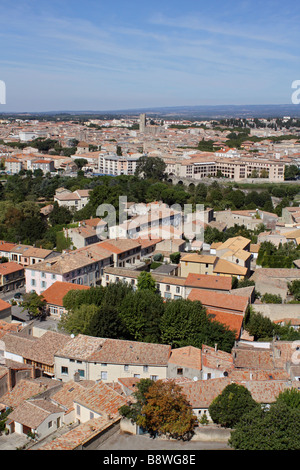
(181, 112)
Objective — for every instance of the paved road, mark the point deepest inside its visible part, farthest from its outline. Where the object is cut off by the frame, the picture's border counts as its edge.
(128, 442)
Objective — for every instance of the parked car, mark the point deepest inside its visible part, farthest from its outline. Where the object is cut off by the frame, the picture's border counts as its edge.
(18, 297)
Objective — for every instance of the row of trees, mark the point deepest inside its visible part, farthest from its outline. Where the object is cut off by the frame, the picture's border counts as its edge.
(118, 311)
(283, 256)
(162, 409)
(147, 186)
(255, 427)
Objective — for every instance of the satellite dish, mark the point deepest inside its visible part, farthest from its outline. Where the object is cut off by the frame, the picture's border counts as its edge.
(225, 373)
(195, 379)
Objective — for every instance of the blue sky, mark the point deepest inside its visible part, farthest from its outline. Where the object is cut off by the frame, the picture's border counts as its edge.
(107, 55)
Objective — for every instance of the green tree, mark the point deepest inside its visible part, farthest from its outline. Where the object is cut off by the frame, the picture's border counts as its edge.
(34, 304)
(175, 257)
(277, 428)
(140, 313)
(294, 288)
(228, 407)
(146, 281)
(271, 298)
(80, 163)
(291, 397)
(60, 215)
(78, 320)
(151, 168)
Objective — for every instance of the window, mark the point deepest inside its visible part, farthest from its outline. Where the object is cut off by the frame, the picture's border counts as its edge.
(33, 282)
(50, 424)
(64, 370)
(81, 372)
(154, 377)
(177, 289)
(78, 410)
(137, 376)
(91, 415)
(145, 368)
(179, 371)
(126, 367)
(104, 375)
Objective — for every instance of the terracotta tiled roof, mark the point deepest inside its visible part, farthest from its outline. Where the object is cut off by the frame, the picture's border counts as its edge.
(4, 305)
(55, 293)
(33, 413)
(244, 375)
(227, 267)
(78, 436)
(102, 399)
(187, 357)
(206, 281)
(25, 389)
(132, 352)
(120, 245)
(233, 321)
(200, 394)
(6, 246)
(71, 391)
(16, 344)
(6, 327)
(44, 348)
(216, 359)
(266, 391)
(220, 301)
(255, 358)
(115, 351)
(10, 267)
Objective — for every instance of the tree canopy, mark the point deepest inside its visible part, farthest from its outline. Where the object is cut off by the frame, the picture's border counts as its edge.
(162, 409)
(228, 407)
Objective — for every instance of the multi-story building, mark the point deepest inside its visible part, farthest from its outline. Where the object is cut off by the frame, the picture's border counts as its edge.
(72, 200)
(47, 166)
(112, 164)
(153, 224)
(205, 165)
(13, 166)
(11, 276)
(88, 232)
(111, 359)
(77, 267)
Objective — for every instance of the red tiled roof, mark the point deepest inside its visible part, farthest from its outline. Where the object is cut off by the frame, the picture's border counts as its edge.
(219, 300)
(188, 356)
(4, 305)
(233, 321)
(10, 267)
(54, 294)
(6, 246)
(102, 399)
(216, 358)
(200, 394)
(205, 281)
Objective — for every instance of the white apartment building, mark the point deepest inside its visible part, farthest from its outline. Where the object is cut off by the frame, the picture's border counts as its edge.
(13, 166)
(112, 164)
